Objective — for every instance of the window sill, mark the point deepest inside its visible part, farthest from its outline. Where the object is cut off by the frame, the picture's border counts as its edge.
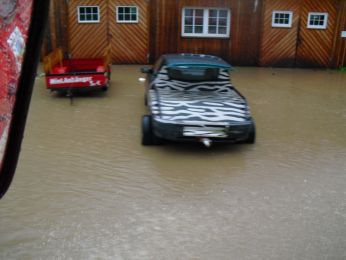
(207, 36)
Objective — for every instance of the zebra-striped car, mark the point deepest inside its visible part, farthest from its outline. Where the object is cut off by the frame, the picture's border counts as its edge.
(190, 98)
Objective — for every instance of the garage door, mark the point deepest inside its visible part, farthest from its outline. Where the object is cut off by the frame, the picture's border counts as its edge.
(298, 33)
(93, 25)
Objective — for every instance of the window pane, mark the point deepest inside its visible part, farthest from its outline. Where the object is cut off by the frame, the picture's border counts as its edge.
(127, 10)
(188, 21)
(82, 17)
(188, 12)
(223, 13)
(133, 17)
(212, 21)
(212, 13)
(194, 22)
(82, 10)
(222, 22)
(133, 10)
(95, 17)
(199, 21)
(198, 29)
(212, 29)
(120, 17)
(222, 30)
(199, 12)
(95, 10)
(88, 17)
(127, 16)
(281, 18)
(188, 29)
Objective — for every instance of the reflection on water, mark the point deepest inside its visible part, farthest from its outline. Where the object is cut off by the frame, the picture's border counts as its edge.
(85, 188)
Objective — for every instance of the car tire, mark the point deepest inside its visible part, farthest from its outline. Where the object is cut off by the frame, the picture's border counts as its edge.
(148, 137)
(252, 135)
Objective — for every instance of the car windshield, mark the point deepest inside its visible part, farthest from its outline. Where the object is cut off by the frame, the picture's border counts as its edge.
(186, 73)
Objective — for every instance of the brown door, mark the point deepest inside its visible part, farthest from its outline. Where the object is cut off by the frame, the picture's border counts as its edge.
(129, 31)
(305, 42)
(316, 33)
(122, 24)
(88, 28)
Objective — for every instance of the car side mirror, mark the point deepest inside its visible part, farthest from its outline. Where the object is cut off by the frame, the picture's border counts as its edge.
(147, 70)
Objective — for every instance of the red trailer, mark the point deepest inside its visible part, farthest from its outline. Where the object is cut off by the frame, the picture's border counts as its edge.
(76, 75)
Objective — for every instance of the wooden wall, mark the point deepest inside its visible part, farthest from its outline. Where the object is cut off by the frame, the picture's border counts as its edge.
(252, 41)
(242, 46)
(57, 29)
(129, 42)
(278, 45)
(298, 45)
(87, 40)
(339, 57)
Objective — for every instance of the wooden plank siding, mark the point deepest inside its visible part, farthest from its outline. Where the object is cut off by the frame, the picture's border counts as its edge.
(278, 45)
(219, 47)
(88, 40)
(164, 28)
(57, 29)
(315, 46)
(242, 46)
(252, 40)
(129, 42)
(339, 57)
(298, 46)
(246, 32)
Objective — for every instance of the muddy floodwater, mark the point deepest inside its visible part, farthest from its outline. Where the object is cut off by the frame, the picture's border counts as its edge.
(85, 188)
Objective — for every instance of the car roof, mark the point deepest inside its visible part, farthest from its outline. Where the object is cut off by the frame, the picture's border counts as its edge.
(189, 59)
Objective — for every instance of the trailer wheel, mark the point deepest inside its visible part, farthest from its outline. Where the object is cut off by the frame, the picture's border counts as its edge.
(252, 135)
(109, 73)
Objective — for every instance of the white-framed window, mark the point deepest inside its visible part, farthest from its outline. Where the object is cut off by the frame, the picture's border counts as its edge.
(88, 14)
(317, 20)
(127, 14)
(206, 22)
(282, 19)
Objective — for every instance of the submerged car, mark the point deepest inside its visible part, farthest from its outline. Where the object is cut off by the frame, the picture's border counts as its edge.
(190, 98)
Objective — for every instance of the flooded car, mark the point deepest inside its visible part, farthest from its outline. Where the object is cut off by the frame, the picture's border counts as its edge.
(190, 98)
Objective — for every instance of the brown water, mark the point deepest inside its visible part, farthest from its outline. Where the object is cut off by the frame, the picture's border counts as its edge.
(85, 188)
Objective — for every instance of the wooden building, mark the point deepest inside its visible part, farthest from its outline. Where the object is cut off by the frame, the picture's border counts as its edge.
(283, 33)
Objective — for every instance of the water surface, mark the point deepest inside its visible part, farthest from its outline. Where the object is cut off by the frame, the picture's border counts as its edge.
(85, 188)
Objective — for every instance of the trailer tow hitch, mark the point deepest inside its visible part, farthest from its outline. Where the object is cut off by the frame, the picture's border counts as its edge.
(70, 95)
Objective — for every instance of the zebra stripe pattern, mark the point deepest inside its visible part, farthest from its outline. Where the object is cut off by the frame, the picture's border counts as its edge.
(206, 102)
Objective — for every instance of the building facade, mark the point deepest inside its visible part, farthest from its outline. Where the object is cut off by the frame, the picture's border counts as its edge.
(280, 33)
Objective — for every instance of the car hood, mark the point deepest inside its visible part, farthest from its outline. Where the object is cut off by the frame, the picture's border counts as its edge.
(198, 107)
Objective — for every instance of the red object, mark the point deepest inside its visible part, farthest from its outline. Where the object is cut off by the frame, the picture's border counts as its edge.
(78, 74)
(59, 70)
(14, 25)
(100, 69)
